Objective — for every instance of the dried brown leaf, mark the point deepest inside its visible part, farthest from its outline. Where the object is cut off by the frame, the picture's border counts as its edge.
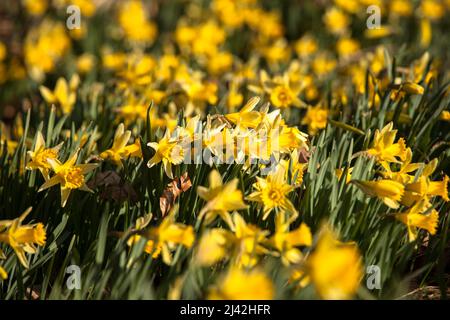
(173, 191)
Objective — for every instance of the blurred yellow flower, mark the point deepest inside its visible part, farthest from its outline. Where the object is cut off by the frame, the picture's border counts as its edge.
(276, 52)
(335, 268)
(423, 187)
(316, 118)
(221, 198)
(246, 117)
(238, 284)
(403, 8)
(347, 47)
(283, 96)
(336, 21)
(35, 7)
(3, 51)
(22, 238)
(323, 64)
(351, 6)
(137, 71)
(286, 242)
(85, 63)
(406, 167)
(113, 60)
(380, 32)
(306, 46)
(243, 245)
(234, 97)
(133, 20)
(426, 33)
(248, 240)
(214, 246)
(220, 63)
(87, 7)
(44, 47)
(169, 234)
(445, 115)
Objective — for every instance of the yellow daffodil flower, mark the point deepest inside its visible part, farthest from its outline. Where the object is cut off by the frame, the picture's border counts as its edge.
(286, 242)
(69, 176)
(243, 245)
(239, 284)
(297, 167)
(377, 33)
(432, 9)
(134, 23)
(272, 192)
(424, 187)
(168, 151)
(234, 97)
(407, 87)
(136, 72)
(64, 94)
(40, 155)
(406, 167)
(44, 47)
(119, 150)
(291, 138)
(416, 218)
(248, 242)
(384, 148)
(22, 238)
(346, 47)
(315, 118)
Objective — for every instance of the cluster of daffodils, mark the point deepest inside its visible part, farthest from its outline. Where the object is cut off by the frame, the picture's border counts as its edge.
(245, 137)
(241, 244)
(334, 267)
(405, 183)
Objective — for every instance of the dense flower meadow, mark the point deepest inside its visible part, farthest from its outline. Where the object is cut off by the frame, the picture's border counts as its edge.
(224, 149)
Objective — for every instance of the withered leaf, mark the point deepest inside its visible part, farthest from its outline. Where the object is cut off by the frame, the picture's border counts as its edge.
(172, 191)
(113, 187)
(104, 179)
(304, 155)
